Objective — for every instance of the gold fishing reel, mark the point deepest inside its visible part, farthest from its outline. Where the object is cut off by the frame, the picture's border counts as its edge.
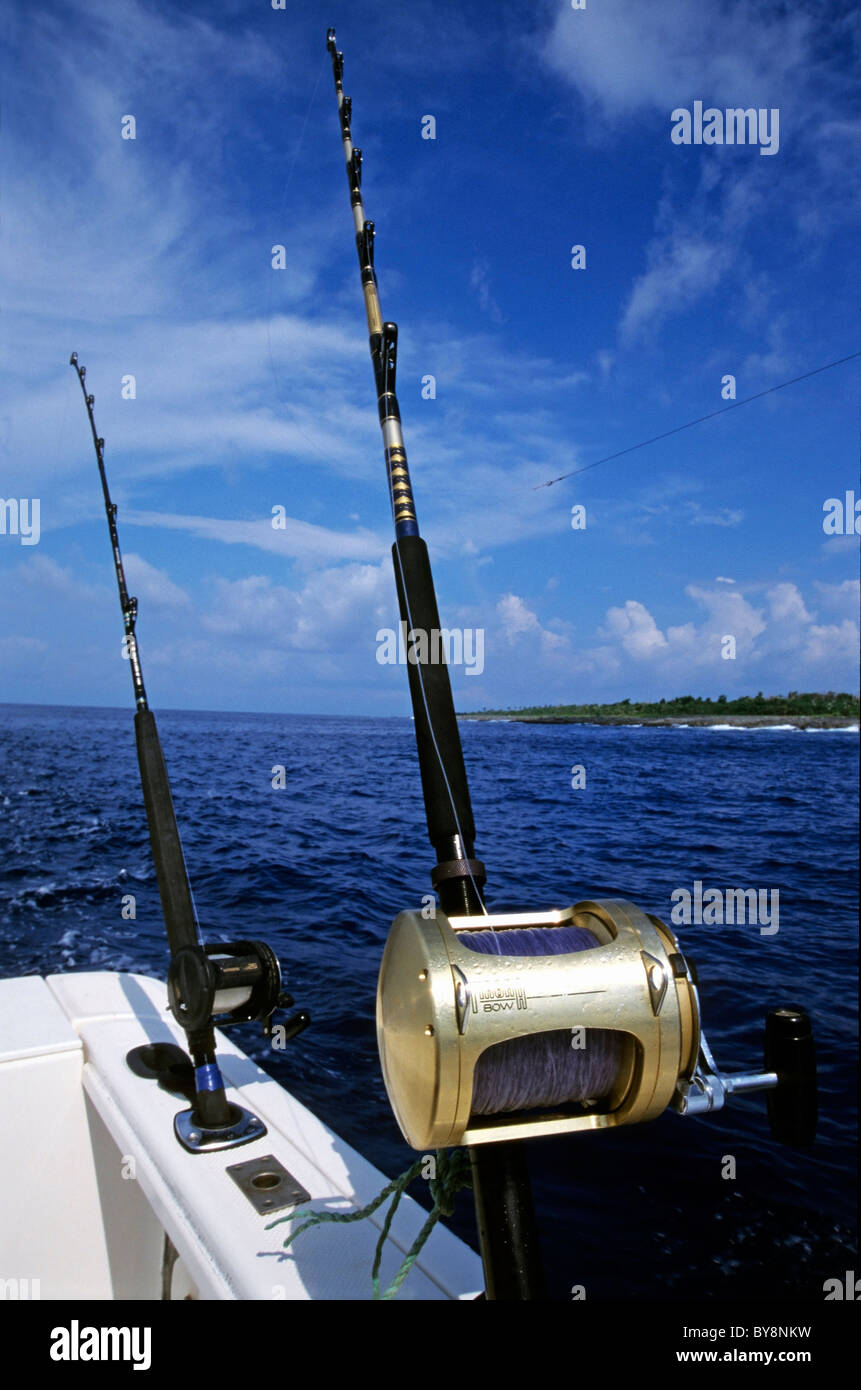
(623, 1000)
(441, 1006)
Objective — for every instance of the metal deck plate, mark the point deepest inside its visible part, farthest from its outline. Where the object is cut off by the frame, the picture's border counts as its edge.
(267, 1184)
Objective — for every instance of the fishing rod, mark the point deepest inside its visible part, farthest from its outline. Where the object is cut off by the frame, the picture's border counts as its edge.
(231, 981)
(501, 1187)
(494, 1028)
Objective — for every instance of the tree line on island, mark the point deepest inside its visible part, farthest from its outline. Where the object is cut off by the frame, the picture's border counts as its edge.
(816, 703)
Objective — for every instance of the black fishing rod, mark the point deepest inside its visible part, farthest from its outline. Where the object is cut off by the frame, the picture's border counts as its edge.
(237, 981)
(503, 1198)
(494, 1028)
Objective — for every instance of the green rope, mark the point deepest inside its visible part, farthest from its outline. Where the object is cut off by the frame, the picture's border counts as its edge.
(452, 1173)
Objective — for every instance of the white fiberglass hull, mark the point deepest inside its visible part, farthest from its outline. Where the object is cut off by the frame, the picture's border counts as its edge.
(93, 1178)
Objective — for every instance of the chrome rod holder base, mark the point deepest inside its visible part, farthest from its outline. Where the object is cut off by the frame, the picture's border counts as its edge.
(197, 1138)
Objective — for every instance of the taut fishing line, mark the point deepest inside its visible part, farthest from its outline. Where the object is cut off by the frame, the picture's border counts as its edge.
(575, 472)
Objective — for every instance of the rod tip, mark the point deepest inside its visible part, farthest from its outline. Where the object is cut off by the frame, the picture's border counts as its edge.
(73, 360)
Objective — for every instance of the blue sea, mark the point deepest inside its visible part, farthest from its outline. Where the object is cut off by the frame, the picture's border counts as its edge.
(320, 867)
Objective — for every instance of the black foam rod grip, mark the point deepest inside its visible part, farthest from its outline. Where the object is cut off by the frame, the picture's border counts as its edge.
(173, 885)
(437, 733)
(790, 1051)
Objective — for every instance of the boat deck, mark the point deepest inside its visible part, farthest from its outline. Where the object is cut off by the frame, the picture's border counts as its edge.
(94, 1177)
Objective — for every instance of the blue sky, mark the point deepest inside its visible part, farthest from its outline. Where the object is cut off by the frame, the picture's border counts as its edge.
(254, 387)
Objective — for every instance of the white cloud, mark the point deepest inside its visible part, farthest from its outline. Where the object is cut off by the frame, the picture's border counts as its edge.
(479, 279)
(777, 362)
(633, 60)
(23, 648)
(833, 646)
(606, 359)
(83, 74)
(836, 546)
(683, 269)
(298, 539)
(517, 620)
(335, 611)
(845, 597)
(786, 638)
(781, 645)
(635, 629)
(787, 605)
(41, 572)
(515, 616)
(153, 585)
(728, 612)
(714, 516)
(628, 56)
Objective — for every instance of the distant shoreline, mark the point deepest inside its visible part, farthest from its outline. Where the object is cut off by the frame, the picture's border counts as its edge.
(741, 721)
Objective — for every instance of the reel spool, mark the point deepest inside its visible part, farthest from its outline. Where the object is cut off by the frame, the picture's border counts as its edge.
(601, 1029)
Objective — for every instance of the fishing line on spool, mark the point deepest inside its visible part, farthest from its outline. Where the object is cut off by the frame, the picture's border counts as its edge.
(542, 1069)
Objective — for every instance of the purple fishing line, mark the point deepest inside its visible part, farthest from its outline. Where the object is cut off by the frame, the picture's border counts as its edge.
(543, 1069)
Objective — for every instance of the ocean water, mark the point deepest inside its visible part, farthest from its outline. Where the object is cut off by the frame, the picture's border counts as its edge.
(320, 868)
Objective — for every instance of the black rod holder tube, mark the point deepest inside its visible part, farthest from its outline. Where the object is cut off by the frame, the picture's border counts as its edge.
(503, 1197)
(507, 1228)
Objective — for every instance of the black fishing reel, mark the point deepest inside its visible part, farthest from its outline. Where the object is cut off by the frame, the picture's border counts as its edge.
(229, 982)
(218, 985)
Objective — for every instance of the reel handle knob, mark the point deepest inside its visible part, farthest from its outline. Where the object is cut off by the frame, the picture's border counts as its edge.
(790, 1052)
(296, 1025)
(291, 1027)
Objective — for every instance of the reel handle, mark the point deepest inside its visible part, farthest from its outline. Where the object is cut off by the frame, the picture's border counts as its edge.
(789, 1077)
(790, 1052)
